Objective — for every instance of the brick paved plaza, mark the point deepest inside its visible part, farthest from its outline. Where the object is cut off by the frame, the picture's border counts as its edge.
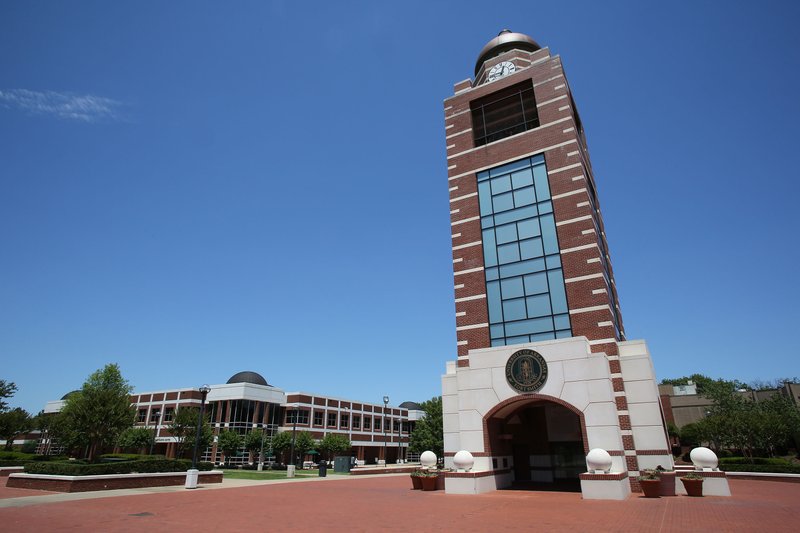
(388, 504)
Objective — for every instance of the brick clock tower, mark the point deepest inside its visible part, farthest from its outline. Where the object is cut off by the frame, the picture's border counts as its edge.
(544, 370)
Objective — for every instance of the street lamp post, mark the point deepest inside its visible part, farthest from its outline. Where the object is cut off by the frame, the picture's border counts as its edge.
(290, 471)
(385, 456)
(204, 390)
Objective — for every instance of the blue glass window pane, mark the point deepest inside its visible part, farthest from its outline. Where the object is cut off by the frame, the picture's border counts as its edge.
(524, 197)
(512, 288)
(531, 265)
(540, 179)
(516, 214)
(535, 283)
(563, 334)
(535, 325)
(507, 233)
(498, 342)
(522, 178)
(504, 202)
(537, 159)
(497, 331)
(528, 229)
(545, 207)
(493, 300)
(557, 294)
(549, 234)
(543, 337)
(492, 274)
(561, 321)
(538, 305)
(531, 248)
(485, 198)
(508, 253)
(489, 248)
(514, 309)
(483, 175)
(511, 167)
(487, 222)
(553, 261)
(517, 340)
(502, 184)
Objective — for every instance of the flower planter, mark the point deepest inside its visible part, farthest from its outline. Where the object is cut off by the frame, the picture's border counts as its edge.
(668, 483)
(651, 487)
(429, 482)
(694, 487)
(416, 482)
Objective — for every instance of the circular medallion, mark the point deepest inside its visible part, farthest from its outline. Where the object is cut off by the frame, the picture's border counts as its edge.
(526, 371)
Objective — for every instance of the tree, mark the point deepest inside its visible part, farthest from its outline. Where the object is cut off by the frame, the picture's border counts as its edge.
(229, 442)
(253, 442)
(101, 410)
(302, 443)
(7, 390)
(428, 432)
(281, 443)
(136, 438)
(12, 423)
(333, 444)
(184, 429)
(704, 382)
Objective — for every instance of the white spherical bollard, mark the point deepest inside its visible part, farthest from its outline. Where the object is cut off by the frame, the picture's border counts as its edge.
(598, 461)
(428, 459)
(463, 460)
(703, 458)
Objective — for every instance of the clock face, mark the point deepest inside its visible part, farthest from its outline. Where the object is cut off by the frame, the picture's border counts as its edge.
(501, 69)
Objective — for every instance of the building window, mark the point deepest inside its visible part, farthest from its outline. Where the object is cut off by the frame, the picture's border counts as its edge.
(332, 420)
(377, 426)
(169, 414)
(367, 423)
(525, 289)
(155, 414)
(344, 421)
(141, 416)
(318, 418)
(504, 113)
(300, 415)
(356, 422)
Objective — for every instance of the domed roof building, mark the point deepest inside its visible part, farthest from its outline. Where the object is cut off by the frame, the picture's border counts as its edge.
(248, 377)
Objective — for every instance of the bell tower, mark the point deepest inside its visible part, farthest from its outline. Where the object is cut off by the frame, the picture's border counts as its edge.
(544, 367)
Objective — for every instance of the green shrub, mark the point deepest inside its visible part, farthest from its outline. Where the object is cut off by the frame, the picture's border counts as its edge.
(130, 456)
(773, 469)
(754, 461)
(73, 468)
(16, 456)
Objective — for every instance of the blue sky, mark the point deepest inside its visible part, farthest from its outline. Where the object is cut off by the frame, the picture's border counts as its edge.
(193, 189)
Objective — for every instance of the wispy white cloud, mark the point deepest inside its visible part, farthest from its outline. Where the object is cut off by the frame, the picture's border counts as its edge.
(85, 108)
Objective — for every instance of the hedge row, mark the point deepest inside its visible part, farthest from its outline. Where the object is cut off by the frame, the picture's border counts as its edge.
(772, 469)
(32, 459)
(754, 461)
(122, 467)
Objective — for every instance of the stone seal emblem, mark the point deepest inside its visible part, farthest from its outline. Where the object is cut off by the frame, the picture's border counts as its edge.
(526, 371)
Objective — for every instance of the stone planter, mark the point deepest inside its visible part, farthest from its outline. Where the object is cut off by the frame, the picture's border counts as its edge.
(651, 487)
(416, 482)
(429, 482)
(694, 487)
(667, 483)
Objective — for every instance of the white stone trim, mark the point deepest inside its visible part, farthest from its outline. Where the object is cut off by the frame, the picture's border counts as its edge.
(563, 108)
(587, 231)
(453, 188)
(582, 278)
(461, 313)
(461, 343)
(593, 260)
(582, 204)
(454, 211)
(451, 167)
(458, 260)
(450, 146)
(605, 341)
(578, 248)
(556, 99)
(464, 220)
(450, 126)
(570, 154)
(470, 298)
(469, 271)
(543, 126)
(455, 235)
(562, 169)
(570, 193)
(462, 132)
(516, 158)
(468, 245)
(457, 198)
(576, 178)
(557, 87)
(589, 310)
(605, 324)
(473, 326)
(573, 220)
(568, 130)
(599, 291)
(548, 80)
(459, 286)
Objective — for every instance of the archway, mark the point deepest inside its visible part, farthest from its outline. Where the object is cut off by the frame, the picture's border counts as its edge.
(541, 440)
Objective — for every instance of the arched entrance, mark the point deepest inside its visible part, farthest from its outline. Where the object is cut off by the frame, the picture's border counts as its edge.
(540, 439)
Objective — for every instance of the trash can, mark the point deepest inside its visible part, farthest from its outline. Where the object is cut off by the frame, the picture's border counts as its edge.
(323, 469)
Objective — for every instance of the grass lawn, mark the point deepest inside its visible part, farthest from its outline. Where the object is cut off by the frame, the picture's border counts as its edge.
(275, 474)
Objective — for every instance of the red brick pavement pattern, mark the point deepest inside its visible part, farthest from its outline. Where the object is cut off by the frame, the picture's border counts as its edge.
(388, 504)
(8, 492)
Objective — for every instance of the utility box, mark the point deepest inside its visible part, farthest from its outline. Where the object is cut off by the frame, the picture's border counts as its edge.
(341, 464)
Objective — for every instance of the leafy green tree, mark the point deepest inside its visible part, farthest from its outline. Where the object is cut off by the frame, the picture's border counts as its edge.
(229, 442)
(184, 429)
(136, 439)
(253, 441)
(704, 382)
(428, 432)
(333, 444)
(302, 443)
(12, 423)
(101, 410)
(7, 390)
(281, 444)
